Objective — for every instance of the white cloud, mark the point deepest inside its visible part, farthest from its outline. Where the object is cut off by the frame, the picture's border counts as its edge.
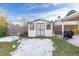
(74, 6)
(56, 3)
(32, 6)
(52, 15)
(63, 11)
(25, 7)
(59, 12)
(4, 11)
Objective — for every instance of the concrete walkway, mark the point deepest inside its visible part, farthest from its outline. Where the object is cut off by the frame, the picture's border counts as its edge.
(74, 41)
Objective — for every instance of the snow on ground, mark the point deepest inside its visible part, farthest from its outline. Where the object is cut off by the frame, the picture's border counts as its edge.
(8, 39)
(34, 47)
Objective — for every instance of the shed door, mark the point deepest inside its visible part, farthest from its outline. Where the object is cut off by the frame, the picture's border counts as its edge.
(40, 29)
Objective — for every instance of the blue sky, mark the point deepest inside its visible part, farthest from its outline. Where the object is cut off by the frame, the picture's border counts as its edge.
(33, 11)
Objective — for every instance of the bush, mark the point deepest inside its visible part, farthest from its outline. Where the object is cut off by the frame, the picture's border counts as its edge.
(3, 32)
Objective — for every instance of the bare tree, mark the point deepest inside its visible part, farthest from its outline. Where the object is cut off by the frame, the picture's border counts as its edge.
(24, 21)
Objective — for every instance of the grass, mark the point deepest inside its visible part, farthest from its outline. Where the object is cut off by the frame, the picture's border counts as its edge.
(63, 48)
(6, 48)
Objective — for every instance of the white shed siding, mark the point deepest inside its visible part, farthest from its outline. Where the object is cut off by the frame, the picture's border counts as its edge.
(48, 33)
(32, 33)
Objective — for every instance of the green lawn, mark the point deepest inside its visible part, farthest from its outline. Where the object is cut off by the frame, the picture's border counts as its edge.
(6, 48)
(63, 48)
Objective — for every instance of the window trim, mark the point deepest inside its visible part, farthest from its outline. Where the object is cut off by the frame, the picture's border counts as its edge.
(48, 26)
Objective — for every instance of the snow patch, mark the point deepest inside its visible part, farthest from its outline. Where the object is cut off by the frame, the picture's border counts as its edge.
(8, 39)
(34, 47)
(14, 46)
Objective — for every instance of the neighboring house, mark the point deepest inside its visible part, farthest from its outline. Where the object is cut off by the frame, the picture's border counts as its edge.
(40, 28)
(69, 22)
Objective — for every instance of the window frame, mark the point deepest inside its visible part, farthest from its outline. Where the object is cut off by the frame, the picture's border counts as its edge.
(48, 26)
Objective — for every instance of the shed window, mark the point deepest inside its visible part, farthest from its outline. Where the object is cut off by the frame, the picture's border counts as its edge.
(48, 26)
(31, 26)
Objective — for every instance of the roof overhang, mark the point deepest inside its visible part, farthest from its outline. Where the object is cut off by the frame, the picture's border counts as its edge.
(73, 16)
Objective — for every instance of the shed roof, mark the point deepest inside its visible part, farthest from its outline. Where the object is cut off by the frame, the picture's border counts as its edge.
(40, 20)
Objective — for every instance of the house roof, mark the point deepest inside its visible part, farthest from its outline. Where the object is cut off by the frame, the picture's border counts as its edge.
(71, 17)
